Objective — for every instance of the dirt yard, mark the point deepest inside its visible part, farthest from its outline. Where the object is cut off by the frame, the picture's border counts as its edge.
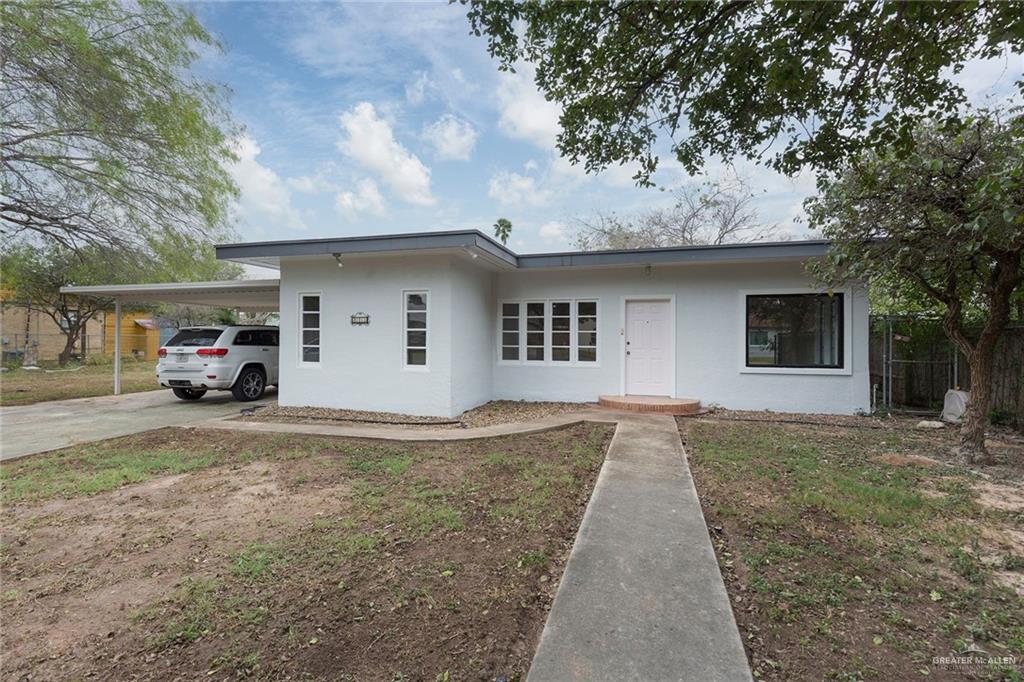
(183, 554)
(857, 550)
(26, 386)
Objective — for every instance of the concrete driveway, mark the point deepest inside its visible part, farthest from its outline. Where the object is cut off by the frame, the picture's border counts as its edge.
(28, 429)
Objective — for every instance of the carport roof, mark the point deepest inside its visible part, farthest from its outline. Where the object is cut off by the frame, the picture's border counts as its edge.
(251, 295)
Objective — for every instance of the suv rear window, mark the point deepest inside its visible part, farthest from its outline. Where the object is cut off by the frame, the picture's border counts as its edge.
(195, 337)
(246, 337)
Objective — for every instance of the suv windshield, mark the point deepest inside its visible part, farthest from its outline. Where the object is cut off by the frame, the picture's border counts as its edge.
(195, 337)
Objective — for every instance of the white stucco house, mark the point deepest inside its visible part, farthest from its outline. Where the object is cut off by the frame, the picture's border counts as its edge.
(438, 323)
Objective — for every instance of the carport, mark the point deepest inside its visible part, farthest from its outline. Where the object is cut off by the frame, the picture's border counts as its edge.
(245, 295)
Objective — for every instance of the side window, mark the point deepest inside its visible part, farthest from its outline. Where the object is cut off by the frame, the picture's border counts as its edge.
(415, 328)
(309, 328)
(268, 337)
(510, 331)
(246, 337)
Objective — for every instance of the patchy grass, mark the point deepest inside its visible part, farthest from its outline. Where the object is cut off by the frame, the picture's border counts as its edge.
(24, 387)
(844, 566)
(97, 468)
(220, 555)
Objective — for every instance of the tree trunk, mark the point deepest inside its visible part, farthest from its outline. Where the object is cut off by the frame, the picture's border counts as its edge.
(70, 337)
(972, 433)
(1006, 275)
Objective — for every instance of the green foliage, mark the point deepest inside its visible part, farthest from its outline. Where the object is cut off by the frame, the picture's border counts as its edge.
(826, 80)
(935, 224)
(502, 230)
(35, 271)
(107, 138)
(940, 224)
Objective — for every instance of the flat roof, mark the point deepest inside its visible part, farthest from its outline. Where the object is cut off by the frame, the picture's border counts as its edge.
(252, 295)
(477, 243)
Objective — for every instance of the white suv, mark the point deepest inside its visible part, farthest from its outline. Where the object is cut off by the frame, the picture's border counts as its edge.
(242, 360)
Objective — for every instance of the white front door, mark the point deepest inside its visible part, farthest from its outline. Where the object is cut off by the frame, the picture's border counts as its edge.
(648, 348)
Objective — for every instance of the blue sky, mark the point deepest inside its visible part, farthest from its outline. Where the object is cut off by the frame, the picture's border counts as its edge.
(377, 118)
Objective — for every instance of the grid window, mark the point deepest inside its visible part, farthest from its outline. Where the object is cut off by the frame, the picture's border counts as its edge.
(415, 331)
(557, 332)
(510, 331)
(535, 327)
(561, 331)
(309, 329)
(586, 331)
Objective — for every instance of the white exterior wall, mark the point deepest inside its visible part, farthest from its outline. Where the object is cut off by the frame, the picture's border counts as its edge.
(472, 333)
(361, 367)
(709, 337)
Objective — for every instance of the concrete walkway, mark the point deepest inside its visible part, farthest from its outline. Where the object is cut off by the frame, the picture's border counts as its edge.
(642, 597)
(30, 429)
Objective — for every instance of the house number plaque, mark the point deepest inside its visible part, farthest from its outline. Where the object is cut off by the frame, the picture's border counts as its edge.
(360, 319)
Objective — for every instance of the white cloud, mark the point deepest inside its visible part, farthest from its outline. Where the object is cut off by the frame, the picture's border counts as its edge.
(265, 198)
(451, 137)
(366, 198)
(515, 189)
(553, 232)
(311, 184)
(990, 82)
(621, 175)
(416, 91)
(370, 141)
(524, 114)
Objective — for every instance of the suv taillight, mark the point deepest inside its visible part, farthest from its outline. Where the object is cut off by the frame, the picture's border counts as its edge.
(162, 352)
(212, 352)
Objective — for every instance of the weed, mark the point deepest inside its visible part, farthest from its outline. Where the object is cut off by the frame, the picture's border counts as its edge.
(531, 559)
(196, 603)
(255, 561)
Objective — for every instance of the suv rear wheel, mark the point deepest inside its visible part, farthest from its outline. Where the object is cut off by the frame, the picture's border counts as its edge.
(250, 385)
(189, 393)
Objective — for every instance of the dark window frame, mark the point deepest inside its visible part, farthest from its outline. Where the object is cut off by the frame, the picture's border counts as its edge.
(840, 301)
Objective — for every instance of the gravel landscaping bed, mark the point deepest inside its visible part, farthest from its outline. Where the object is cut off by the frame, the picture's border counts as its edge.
(865, 421)
(489, 414)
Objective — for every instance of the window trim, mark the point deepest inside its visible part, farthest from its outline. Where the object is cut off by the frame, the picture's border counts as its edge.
(301, 328)
(406, 367)
(501, 331)
(573, 341)
(845, 329)
(550, 340)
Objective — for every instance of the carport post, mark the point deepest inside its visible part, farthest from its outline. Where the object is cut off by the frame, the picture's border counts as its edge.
(117, 346)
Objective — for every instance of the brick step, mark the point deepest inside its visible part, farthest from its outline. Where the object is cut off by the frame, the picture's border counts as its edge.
(650, 403)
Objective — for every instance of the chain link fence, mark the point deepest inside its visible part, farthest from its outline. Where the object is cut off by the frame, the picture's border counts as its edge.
(20, 349)
(913, 364)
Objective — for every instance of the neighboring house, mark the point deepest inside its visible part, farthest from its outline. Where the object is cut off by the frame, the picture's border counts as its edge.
(438, 323)
(140, 335)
